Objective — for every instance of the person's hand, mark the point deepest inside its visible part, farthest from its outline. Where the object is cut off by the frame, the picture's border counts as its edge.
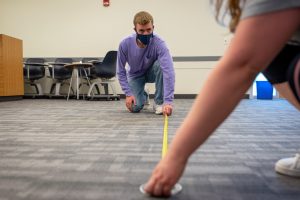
(164, 177)
(167, 109)
(129, 101)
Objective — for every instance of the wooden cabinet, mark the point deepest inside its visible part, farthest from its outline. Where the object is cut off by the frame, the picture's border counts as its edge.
(11, 67)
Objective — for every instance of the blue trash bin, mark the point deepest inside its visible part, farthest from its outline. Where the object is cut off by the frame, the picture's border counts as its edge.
(264, 90)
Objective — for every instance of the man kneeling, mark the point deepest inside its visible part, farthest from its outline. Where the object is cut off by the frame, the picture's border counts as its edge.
(149, 61)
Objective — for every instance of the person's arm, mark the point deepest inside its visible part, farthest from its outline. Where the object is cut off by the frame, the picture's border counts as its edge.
(121, 71)
(166, 63)
(167, 67)
(257, 41)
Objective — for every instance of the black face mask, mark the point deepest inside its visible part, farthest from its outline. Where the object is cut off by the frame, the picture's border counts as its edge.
(145, 39)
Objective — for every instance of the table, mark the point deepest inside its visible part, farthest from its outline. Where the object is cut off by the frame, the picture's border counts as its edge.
(75, 67)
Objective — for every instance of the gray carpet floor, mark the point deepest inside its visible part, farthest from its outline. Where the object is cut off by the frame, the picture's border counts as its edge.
(51, 149)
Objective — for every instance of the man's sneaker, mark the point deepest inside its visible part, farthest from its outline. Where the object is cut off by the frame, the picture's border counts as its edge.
(289, 166)
(158, 109)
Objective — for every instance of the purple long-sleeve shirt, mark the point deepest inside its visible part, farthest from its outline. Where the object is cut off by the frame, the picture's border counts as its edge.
(140, 59)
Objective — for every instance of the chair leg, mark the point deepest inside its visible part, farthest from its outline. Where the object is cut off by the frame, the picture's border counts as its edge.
(52, 88)
(97, 88)
(35, 87)
(88, 82)
(109, 83)
(106, 88)
(57, 88)
(112, 85)
(73, 92)
(38, 88)
(91, 88)
(106, 85)
(63, 83)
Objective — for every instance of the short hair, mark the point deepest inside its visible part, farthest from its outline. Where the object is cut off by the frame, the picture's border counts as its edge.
(142, 18)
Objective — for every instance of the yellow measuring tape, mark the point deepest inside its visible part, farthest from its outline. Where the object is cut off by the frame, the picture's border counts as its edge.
(165, 138)
(177, 187)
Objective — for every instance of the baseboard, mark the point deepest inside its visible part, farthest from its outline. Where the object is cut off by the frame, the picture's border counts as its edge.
(10, 98)
(122, 96)
(184, 96)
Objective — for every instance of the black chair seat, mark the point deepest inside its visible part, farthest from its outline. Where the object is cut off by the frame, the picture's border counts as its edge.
(35, 72)
(93, 73)
(60, 72)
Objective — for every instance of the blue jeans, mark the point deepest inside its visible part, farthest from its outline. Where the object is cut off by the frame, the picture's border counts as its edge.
(137, 85)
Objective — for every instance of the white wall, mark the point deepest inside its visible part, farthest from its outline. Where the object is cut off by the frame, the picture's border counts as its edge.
(84, 28)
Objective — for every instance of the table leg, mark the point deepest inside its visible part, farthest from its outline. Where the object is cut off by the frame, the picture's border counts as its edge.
(69, 86)
(77, 85)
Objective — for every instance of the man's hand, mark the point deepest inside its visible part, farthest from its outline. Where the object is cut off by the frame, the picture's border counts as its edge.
(167, 109)
(130, 101)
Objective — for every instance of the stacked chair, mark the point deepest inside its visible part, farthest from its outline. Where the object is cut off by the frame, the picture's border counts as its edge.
(60, 76)
(33, 70)
(88, 73)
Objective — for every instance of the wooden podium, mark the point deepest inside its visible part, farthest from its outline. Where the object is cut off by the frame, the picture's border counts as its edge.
(11, 68)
